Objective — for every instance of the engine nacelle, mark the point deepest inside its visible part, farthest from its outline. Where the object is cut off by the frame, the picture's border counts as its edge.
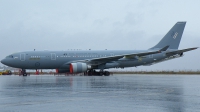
(79, 67)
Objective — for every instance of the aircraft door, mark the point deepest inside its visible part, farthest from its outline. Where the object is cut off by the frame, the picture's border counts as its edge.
(53, 56)
(22, 56)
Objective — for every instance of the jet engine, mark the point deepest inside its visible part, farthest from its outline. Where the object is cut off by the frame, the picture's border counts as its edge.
(79, 67)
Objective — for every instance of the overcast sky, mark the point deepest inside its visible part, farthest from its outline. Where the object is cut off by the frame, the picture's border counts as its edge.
(98, 25)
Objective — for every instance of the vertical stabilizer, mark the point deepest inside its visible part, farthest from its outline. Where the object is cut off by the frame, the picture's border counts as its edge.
(173, 37)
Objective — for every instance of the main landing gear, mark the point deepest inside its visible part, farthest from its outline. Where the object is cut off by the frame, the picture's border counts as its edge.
(95, 73)
(23, 72)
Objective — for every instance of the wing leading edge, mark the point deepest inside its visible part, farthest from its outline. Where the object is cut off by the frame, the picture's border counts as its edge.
(96, 61)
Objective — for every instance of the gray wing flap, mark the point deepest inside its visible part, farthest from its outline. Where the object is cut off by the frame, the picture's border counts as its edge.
(180, 51)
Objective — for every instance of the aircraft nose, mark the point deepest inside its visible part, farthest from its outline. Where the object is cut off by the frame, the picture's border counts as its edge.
(3, 61)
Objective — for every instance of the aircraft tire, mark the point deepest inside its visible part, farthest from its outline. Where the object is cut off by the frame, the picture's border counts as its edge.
(100, 73)
(24, 74)
(106, 73)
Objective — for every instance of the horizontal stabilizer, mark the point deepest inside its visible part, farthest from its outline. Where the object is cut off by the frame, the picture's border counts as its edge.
(180, 51)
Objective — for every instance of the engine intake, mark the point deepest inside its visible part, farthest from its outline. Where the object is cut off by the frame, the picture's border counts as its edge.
(79, 67)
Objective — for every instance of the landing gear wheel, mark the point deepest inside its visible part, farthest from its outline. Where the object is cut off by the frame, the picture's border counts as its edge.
(100, 73)
(23, 72)
(95, 73)
(106, 73)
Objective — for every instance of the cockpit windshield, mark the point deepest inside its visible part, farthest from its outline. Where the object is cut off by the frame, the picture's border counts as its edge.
(10, 56)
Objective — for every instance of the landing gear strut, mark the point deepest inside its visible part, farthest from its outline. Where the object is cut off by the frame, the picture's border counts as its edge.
(23, 72)
(95, 73)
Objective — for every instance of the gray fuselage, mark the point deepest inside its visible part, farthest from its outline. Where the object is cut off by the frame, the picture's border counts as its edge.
(60, 59)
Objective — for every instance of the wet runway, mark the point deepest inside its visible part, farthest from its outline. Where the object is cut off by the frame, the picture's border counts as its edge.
(118, 93)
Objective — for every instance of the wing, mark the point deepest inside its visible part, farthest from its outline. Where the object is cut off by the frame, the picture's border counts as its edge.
(180, 51)
(97, 61)
(173, 55)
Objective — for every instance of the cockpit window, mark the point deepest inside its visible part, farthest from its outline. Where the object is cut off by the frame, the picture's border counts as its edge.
(10, 56)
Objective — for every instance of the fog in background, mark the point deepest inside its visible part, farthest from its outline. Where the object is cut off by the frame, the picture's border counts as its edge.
(92, 24)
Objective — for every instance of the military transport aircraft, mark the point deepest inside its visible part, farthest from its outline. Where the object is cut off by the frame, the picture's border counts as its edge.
(93, 62)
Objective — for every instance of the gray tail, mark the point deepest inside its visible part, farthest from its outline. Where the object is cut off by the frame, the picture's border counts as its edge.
(173, 37)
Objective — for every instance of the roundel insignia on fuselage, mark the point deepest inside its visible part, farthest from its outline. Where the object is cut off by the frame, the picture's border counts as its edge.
(37, 64)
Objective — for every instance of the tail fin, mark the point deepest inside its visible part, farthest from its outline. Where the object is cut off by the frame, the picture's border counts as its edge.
(173, 37)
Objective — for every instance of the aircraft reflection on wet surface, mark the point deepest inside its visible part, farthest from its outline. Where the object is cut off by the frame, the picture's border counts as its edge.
(116, 93)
